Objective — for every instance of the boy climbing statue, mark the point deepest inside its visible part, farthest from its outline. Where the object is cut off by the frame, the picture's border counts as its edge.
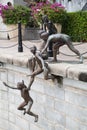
(37, 60)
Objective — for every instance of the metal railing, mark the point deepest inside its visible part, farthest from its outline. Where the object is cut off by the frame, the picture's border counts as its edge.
(19, 36)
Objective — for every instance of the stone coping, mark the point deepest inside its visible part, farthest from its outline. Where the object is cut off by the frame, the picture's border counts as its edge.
(75, 71)
(71, 69)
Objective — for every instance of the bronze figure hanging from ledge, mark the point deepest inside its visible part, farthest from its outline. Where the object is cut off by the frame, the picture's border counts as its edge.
(37, 60)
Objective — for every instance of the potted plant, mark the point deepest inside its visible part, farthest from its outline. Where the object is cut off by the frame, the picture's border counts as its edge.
(11, 17)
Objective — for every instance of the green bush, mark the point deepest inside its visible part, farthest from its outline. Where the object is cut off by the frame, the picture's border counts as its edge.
(76, 25)
(57, 17)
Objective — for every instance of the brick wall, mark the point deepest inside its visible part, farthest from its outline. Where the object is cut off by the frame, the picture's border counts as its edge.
(60, 107)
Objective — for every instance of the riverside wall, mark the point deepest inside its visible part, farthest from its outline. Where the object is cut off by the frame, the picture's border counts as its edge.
(60, 104)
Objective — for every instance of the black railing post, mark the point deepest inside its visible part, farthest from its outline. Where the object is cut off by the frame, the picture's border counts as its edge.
(50, 51)
(20, 47)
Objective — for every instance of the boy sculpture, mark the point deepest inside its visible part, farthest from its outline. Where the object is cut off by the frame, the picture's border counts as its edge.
(37, 60)
(27, 99)
(58, 40)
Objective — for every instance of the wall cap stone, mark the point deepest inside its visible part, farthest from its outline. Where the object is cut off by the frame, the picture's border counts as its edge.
(67, 70)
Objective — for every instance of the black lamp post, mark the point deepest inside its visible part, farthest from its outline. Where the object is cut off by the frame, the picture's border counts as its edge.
(20, 47)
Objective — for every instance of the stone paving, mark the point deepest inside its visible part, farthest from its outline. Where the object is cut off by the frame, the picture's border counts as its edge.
(10, 47)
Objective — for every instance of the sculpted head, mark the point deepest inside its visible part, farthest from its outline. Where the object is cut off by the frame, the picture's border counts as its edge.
(9, 3)
(33, 49)
(20, 85)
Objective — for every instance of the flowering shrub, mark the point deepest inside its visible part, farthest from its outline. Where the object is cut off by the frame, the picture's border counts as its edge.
(37, 8)
(31, 16)
(12, 16)
(3, 7)
(56, 12)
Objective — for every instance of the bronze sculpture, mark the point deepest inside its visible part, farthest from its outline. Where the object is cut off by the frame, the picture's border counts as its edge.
(43, 32)
(27, 99)
(58, 40)
(47, 24)
(51, 29)
(42, 66)
(45, 20)
(48, 28)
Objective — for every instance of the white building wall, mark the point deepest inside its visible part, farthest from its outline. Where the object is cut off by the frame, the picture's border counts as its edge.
(71, 6)
(4, 2)
(20, 2)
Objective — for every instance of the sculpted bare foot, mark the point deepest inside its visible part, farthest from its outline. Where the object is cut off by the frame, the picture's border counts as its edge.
(81, 59)
(29, 75)
(36, 118)
(54, 60)
(24, 112)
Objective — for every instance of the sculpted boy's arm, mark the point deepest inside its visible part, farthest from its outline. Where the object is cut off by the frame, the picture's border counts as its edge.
(9, 86)
(47, 44)
(31, 63)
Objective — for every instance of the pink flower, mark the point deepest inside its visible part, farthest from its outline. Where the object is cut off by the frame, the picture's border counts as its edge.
(56, 5)
(47, 2)
(3, 7)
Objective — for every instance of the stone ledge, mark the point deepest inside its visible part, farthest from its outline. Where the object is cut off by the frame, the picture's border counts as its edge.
(71, 71)
(18, 59)
(67, 70)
